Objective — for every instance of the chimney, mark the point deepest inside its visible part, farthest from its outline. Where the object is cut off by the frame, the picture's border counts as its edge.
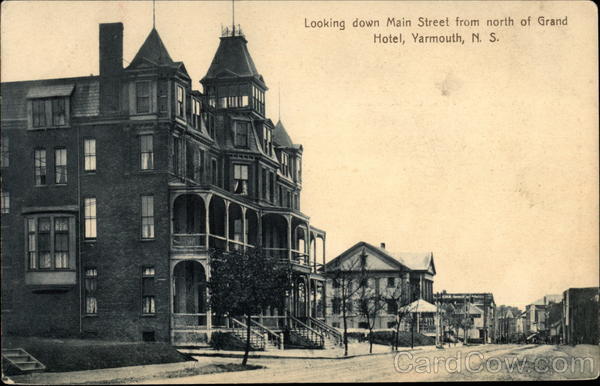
(382, 245)
(111, 49)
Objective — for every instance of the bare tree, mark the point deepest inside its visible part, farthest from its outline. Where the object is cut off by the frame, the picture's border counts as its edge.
(371, 305)
(343, 277)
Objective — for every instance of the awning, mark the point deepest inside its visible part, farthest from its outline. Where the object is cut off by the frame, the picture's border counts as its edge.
(62, 90)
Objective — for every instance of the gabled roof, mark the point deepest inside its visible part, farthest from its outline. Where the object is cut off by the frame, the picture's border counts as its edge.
(153, 51)
(364, 246)
(281, 137)
(232, 60)
(415, 261)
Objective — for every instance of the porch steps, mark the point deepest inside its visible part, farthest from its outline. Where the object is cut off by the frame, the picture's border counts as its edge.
(22, 360)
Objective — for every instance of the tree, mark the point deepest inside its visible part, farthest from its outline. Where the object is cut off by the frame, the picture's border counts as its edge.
(245, 284)
(401, 298)
(344, 290)
(371, 304)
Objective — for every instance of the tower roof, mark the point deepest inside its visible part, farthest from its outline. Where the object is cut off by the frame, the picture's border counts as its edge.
(153, 50)
(232, 60)
(281, 137)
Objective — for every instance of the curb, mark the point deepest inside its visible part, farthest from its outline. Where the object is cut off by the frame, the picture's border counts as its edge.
(269, 356)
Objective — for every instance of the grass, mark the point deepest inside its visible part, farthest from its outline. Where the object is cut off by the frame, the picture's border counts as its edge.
(188, 372)
(80, 354)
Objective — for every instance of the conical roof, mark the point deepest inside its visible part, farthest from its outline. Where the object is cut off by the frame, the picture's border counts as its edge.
(232, 59)
(152, 50)
(281, 137)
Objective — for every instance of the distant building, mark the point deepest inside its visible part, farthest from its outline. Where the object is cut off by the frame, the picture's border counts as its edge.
(580, 316)
(481, 308)
(402, 278)
(536, 315)
(506, 327)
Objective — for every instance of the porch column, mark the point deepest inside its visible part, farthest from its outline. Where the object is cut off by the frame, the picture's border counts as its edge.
(207, 220)
(227, 225)
(259, 239)
(323, 239)
(289, 237)
(307, 297)
(244, 228)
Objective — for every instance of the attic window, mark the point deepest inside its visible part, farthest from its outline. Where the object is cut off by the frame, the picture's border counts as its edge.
(267, 140)
(241, 134)
(285, 164)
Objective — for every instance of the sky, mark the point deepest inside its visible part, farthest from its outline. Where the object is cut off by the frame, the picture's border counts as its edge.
(484, 154)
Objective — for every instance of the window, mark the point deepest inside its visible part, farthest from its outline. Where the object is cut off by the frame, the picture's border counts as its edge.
(142, 94)
(91, 284)
(198, 165)
(5, 152)
(89, 155)
(40, 166)
(163, 92)
(336, 305)
(58, 111)
(5, 202)
(32, 243)
(196, 122)
(147, 217)
(364, 325)
(263, 184)
(392, 307)
(180, 101)
(214, 172)
(391, 282)
(241, 134)
(272, 187)
(60, 166)
(90, 217)
(146, 152)
(50, 239)
(38, 111)
(61, 242)
(285, 164)
(336, 283)
(148, 292)
(240, 176)
(267, 140)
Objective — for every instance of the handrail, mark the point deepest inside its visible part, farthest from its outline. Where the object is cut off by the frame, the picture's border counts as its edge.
(310, 332)
(275, 336)
(327, 329)
(244, 328)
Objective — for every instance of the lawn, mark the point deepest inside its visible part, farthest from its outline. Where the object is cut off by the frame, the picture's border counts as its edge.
(81, 354)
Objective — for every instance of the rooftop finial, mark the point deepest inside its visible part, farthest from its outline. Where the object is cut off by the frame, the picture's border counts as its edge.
(279, 104)
(233, 17)
(153, 14)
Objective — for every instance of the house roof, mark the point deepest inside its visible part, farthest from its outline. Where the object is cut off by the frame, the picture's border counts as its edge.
(281, 137)
(412, 261)
(84, 91)
(232, 60)
(154, 51)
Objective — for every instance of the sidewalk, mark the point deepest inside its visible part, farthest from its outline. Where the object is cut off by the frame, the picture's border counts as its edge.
(354, 350)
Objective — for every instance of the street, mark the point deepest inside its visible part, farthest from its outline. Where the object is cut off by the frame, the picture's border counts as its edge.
(484, 362)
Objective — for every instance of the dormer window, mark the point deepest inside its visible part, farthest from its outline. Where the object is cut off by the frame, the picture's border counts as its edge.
(196, 122)
(241, 134)
(268, 140)
(258, 100)
(48, 106)
(285, 164)
(180, 102)
(38, 111)
(142, 94)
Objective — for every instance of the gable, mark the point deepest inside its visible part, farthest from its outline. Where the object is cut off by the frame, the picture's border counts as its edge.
(375, 260)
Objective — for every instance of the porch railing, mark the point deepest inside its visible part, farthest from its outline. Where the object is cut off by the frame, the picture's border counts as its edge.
(189, 321)
(188, 240)
(272, 322)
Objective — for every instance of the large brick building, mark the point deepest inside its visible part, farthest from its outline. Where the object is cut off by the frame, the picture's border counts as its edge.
(115, 187)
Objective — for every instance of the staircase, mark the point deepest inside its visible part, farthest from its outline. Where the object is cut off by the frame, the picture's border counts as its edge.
(331, 334)
(22, 360)
(304, 336)
(258, 341)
